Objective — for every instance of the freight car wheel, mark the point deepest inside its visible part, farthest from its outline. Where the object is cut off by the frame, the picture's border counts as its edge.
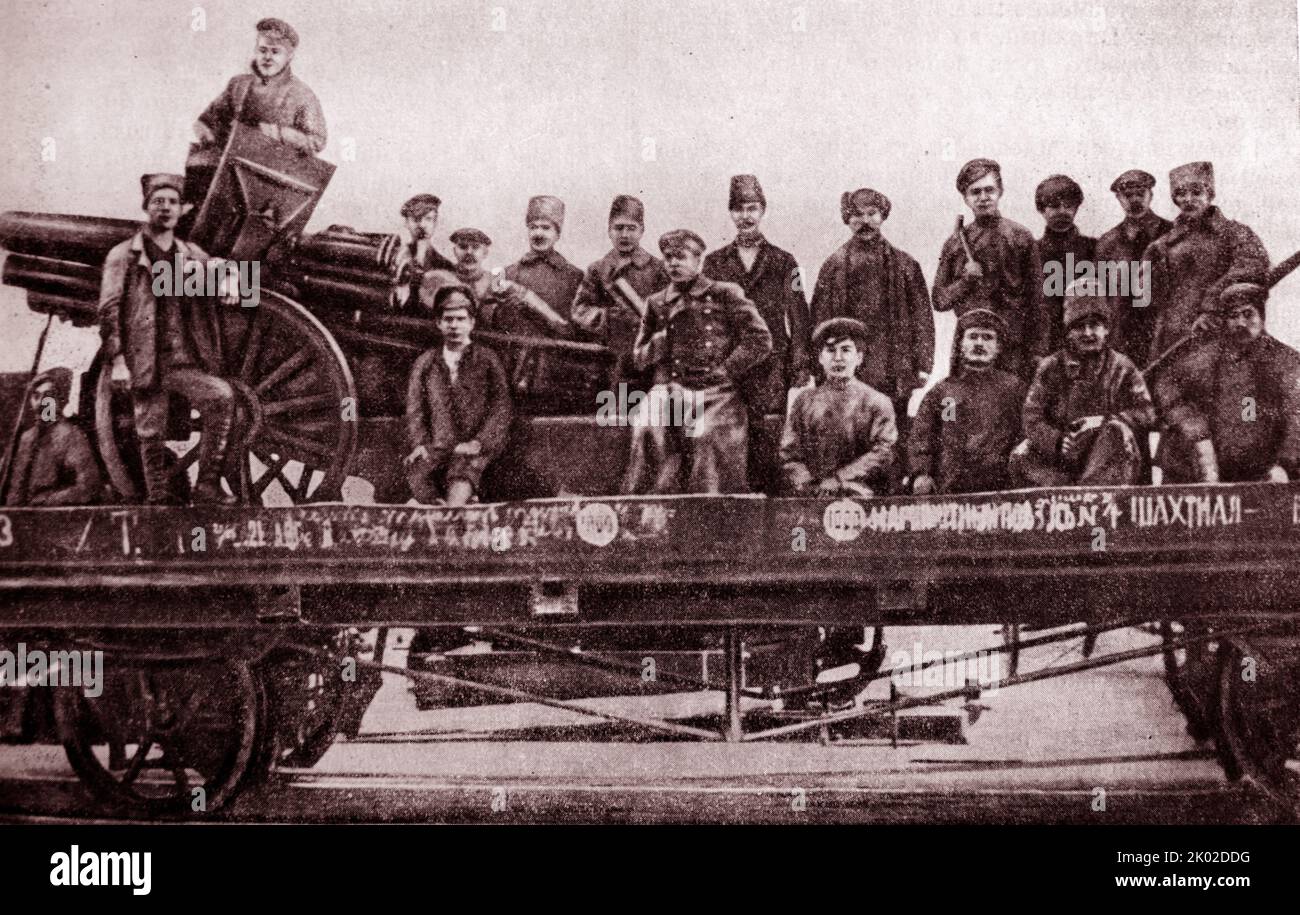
(1259, 712)
(166, 738)
(1192, 674)
(295, 427)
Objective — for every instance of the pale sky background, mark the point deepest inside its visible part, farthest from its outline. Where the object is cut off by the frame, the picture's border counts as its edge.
(486, 103)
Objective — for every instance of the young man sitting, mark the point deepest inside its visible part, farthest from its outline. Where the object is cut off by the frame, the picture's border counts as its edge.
(457, 407)
(1087, 408)
(839, 437)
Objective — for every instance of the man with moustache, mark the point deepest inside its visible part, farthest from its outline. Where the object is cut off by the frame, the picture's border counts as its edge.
(771, 279)
(152, 334)
(1058, 199)
(700, 337)
(1233, 415)
(969, 422)
(470, 248)
(1088, 406)
(1202, 255)
(417, 254)
(871, 281)
(53, 462)
(600, 309)
(538, 290)
(1127, 243)
(1003, 274)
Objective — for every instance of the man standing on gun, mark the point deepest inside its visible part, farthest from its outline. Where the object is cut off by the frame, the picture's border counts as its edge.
(1127, 244)
(1058, 199)
(871, 281)
(602, 308)
(771, 279)
(995, 264)
(152, 333)
(418, 255)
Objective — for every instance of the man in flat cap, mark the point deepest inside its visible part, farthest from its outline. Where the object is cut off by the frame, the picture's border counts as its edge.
(1058, 198)
(269, 98)
(1126, 244)
(995, 264)
(968, 422)
(470, 249)
(1202, 255)
(839, 437)
(53, 462)
(1088, 407)
(1232, 414)
(538, 290)
(457, 406)
(700, 337)
(602, 308)
(418, 255)
(771, 279)
(870, 280)
(153, 334)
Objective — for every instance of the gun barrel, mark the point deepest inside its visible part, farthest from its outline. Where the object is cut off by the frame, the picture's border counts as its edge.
(81, 239)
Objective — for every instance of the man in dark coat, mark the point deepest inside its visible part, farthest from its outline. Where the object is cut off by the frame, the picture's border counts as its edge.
(1232, 412)
(1127, 244)
(1087, 407)
(701, 337)
(839, 437)
(1003, 274)
(153, 334)
(417, 254)
(601, 309)
(771, 279)
(457, 407)
(870, 280)
(968, 422)
(1202, 255)
(53, 463)
(538, 290)
(1061, 248)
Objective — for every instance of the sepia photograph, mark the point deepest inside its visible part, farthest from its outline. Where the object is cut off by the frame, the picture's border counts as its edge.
(669, 413)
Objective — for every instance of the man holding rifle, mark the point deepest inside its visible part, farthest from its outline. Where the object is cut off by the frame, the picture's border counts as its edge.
(537, 291)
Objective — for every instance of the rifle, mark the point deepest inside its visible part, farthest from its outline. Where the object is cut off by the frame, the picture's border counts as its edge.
(624, 287)
(965, 242)
(22, 409)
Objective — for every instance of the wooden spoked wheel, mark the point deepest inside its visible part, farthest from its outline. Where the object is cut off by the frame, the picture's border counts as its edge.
(1259, 713)
(164, 738)
(296, 410)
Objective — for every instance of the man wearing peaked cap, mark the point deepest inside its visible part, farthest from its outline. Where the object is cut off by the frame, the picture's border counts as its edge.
(470, 248)
(1203, 254)
(418, 255)
(53, 463)
(770, 278)
(1062, 249)
(1125, 246)
(603, 308)
(870, 280)
(994, 263)
(1087, 407)
(1210, 435)
(700, 338)
(839, 437)
(538, 290)
(969, 422)
(152, 333)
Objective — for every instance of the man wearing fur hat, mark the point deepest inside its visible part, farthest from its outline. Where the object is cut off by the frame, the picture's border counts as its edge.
(994, 264)
(700, 337)
(1233, 413)
(870, 280)
(1202, 255)
(771, 279)
(1087, 407)
(1058, 199)
(969, 422)
(839, 437)
(417, 254)
(601, 309)
(538, 290)
(152, 333)
(53, 463)
(1127, 243)
(457, 406)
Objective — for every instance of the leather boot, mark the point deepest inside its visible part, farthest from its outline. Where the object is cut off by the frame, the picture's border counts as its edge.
(212, 454)
(157, 474)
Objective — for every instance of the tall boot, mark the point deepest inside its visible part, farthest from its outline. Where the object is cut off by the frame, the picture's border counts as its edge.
(212, 454)
(157, 474)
